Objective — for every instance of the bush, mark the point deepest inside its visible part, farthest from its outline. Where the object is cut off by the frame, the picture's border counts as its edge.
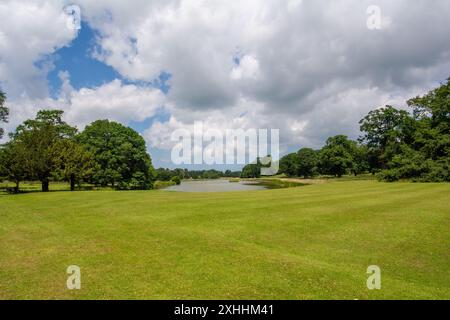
(176, 179)
(388, 175)
(411, 164)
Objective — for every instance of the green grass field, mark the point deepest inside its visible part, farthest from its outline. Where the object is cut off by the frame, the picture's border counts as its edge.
(312, 242)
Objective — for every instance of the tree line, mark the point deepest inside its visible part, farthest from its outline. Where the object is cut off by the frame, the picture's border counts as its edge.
(394, 144)
(164, 174)
(48, 149)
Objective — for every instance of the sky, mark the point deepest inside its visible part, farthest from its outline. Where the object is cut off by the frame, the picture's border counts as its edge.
(310, 68)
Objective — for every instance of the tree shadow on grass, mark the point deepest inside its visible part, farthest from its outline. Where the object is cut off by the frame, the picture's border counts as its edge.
(4, 191)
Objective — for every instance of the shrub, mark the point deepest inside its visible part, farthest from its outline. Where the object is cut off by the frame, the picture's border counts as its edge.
(176, 179)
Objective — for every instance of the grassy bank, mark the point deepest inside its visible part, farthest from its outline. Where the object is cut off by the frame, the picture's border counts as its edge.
(163, 184)
(310, 242)
(276, 183)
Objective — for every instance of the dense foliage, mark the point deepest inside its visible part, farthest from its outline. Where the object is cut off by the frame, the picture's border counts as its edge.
(40, 141)
(395, 144)
(121, 156)
(4, 112)
(422, 150)
(48, 149)
(164, 174)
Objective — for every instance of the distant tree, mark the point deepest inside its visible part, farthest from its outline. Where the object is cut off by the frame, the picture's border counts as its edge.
(211, 174)
(40, 138)
(289, 165)
(251, 171)
(121, 155)
(337, 157)
(163, 174)
(4, 112)
(180, 173)
(74, 163)
(232, 174)
(13, 163)
(308, 161)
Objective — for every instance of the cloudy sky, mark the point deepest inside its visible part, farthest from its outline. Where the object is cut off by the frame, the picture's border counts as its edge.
(310, 68)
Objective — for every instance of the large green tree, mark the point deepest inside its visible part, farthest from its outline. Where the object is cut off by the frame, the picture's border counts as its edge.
(337, 156)
(14, 163)
(40, 137)
(361, 158)
(308, 161)
(289, 165)
(413, 147)
(384, 130)
(4, 112)
(427, 156)
(432, 112)
(74, 163)
(251, 171)
(121, 155)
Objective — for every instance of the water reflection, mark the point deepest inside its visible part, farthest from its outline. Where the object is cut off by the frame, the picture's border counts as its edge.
(220, 185)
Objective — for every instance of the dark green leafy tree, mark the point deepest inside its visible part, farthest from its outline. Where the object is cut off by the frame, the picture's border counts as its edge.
(4, 112)
(14, 163)
(432, 112)
(74, 163)
(423, 154)
(164, 174)
(384, 131)
(337, 157)
(414, 165)
(427, 157)
(211, 174)
(289, 165)
(308, 162)
(252, 170)
(40, 137)
(176, 179)
(361, 158)
(121, 155)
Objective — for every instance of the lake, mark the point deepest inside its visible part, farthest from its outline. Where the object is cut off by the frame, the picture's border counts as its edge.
(220, 185)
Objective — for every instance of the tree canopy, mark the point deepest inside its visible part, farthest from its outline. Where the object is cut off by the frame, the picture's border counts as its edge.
(383, 130)
(48, 149)
(308, 161)
(337, 157)
(121, 155)
(14, 163)
(4, 112)
(423, 153)
(40, 138)
(395, 144)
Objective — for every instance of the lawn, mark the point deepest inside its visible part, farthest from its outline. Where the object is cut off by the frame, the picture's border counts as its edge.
(311, 242)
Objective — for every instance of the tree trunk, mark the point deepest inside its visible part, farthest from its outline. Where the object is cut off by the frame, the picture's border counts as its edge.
(72, 182)
(16, 188)
(45, 184)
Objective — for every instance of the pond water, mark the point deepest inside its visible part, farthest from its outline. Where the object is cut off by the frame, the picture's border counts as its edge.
(220, 185)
